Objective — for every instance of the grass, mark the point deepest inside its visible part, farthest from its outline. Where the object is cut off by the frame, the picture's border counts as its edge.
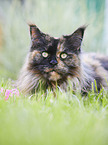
(68, 119)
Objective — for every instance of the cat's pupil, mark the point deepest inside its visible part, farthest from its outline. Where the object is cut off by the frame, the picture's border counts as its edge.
(63, 55)
(45, 54)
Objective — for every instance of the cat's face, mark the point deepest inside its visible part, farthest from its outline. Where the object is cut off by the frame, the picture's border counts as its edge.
(55, 58)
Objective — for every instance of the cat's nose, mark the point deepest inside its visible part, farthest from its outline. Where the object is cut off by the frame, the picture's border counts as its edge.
(53, 62)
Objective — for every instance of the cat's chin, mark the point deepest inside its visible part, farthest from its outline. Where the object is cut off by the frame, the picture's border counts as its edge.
(54, 76)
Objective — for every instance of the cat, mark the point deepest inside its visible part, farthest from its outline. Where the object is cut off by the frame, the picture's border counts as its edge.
(59, 62)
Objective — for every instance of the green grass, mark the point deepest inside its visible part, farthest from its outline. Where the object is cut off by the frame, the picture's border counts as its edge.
(44, 120)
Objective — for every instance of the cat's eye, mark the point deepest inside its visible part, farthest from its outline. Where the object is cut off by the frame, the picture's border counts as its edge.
(63, 55)
(45, 54)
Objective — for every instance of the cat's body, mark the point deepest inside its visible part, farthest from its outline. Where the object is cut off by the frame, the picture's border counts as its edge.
(57, 61)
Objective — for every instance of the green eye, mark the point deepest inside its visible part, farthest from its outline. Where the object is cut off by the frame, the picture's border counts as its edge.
(45, 54)
(63, 55)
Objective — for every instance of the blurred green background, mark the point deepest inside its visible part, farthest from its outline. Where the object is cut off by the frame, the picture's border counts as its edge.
(55, 17)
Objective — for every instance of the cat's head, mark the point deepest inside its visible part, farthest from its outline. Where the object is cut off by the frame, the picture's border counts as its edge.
(54, 59)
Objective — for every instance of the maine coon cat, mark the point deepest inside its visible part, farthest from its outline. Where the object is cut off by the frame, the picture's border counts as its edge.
(57, 61)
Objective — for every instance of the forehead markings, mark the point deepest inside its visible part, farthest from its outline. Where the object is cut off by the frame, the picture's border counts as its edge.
(60, 47)
(48, 38)
(52, 46)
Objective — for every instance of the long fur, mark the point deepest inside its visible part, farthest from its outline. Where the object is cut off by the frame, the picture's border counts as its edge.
(28, 81)
(83, 71)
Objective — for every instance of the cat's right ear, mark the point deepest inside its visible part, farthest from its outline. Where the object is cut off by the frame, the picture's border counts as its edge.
(75, 39)
(35, 33)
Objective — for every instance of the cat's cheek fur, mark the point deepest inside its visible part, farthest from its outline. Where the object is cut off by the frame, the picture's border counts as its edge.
(35, 55)
(61, 66)
(73, 61)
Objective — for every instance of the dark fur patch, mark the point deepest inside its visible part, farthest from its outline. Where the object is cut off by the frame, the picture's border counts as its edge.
(104, 63)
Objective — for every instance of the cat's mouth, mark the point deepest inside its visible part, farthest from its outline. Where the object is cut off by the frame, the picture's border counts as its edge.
(52, 75)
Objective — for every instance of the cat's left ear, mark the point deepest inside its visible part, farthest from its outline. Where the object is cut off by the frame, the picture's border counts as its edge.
(75, 39)
(34, 31)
